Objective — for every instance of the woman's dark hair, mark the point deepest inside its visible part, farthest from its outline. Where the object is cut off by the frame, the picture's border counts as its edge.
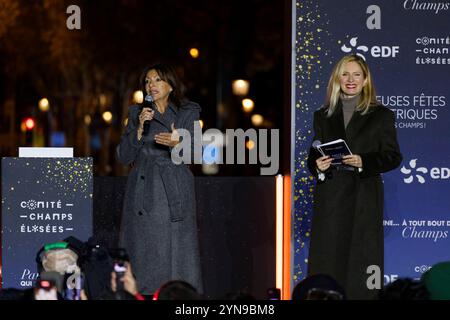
(168, 74)
(177, 290)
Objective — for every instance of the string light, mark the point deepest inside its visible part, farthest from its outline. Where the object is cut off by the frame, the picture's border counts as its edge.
(240, 87)
(44, 105)
(107, 116)
(194, 53)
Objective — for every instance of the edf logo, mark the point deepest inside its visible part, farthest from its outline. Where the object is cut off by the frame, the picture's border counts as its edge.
(375, 51)
(420, 173)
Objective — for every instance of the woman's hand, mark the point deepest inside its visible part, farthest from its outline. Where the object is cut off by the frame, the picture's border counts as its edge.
(146, 114)
(353, 160)
(323, 163)
(170, 139)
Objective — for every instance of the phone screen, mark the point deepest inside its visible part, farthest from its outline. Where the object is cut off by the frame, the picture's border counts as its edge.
(45, 294)
(120, 267)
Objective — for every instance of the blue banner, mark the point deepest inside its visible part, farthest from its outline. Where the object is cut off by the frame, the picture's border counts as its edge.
(406, 44)
(44, 200)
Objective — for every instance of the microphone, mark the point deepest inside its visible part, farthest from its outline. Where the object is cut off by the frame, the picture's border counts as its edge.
(328, 174)
(147, 103)
(316, 143)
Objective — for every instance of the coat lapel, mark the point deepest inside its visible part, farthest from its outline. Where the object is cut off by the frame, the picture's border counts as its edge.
(349, 133)
(165, 119)
(337, 123)
(356, 124)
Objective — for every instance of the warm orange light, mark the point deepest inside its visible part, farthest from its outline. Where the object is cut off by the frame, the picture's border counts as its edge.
(102, 100)
(29, 124)
(44, 105)
(279, 232)
(250, 144)
(194, 53)
(286, 289)
(240, 87)
(107, 116)
(87, 119)
(257, 120)
(138, 96)
(283, 235)
(201, 123)
(248, 105)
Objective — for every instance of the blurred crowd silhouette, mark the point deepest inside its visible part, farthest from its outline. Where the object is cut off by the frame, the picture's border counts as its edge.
(76, 270)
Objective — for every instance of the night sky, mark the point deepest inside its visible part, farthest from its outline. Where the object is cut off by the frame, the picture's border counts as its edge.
(95, 69)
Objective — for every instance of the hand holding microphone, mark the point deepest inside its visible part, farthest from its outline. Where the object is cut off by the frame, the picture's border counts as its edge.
(324, 162)
(146, 115)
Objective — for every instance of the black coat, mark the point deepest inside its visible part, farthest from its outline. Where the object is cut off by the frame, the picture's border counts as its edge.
(347, 225)
(159, 222)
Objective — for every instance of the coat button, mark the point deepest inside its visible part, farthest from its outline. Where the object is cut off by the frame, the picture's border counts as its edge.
(142, 177)
(140, 213)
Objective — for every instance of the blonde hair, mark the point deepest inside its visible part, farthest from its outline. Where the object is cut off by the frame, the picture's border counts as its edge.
(368, 98)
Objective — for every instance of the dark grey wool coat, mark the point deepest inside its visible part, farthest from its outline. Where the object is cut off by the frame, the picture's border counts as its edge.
(159, 226)
(347, 225)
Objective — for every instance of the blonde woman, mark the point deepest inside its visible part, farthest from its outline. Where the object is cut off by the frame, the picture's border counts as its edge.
(347, 229)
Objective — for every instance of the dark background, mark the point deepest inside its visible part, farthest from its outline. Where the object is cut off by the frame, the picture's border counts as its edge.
(86, 72)
(236, 227)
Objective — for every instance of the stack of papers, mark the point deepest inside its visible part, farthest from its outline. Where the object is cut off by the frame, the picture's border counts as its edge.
(335, 149)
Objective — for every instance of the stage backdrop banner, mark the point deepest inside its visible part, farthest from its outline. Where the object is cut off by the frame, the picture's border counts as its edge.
(406, 44)
(44, 200)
